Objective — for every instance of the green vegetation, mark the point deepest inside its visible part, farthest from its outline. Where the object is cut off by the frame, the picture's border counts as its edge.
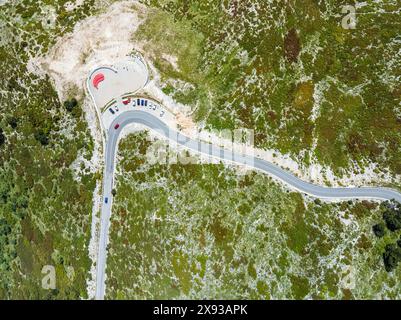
(393, 219)
(70, 105)
(45, 204)
(391, 214)
(13, 122)
(308, 87)
(379, 230)
(204, 231)
(2, 137)
(391, 257)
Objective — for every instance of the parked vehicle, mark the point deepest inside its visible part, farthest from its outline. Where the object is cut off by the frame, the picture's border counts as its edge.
(116, 126)
(111, 110)
(142, 103)
(126, 101)
(106, 200)
(117, 109)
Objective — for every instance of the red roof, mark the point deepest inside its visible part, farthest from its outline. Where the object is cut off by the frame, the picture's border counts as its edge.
(97, 79)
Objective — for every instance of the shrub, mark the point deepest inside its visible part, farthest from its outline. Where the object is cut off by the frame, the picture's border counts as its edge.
(391, 257)
(379, 230)
(42, 137)
(13, 122)
(2, 137)
(392, 217)
(70, 104)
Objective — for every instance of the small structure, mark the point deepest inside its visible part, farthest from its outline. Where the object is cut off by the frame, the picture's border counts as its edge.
(97, 79)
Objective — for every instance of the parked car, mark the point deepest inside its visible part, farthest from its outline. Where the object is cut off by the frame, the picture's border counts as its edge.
(117, 109)
(111, 110)
(106, 200)
(116, 126)
(126, 101)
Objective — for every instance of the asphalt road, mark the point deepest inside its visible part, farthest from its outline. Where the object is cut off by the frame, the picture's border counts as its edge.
(154, 123)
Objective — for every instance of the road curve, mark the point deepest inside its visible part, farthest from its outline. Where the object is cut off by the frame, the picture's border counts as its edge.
(154, 123)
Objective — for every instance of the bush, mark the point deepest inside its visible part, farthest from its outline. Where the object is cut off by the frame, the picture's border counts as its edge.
(42, 137)
(13, 122)
(2, 137)
(70, 104)
(379, 230)
(392, 217)
(391, 257)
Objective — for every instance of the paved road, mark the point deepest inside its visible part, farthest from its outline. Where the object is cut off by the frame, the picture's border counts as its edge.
(154, 123)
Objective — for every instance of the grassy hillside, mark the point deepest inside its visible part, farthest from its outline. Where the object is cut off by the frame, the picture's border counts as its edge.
(288, 70)
(45, 204)
(203, 231)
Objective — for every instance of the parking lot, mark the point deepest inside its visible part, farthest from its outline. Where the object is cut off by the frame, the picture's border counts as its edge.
(107, 83)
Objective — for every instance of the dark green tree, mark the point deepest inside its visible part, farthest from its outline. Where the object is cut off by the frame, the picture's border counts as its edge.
(392, 217)
(13, 122)
(2, 137)
(70, 104)
(379, 230)
(42, 137)
(391, 257)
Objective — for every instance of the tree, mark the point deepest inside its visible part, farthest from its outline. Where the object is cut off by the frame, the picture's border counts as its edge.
(392, 217)
(391, 257)
(379, 230)
(42, 137)
(70, 104)
(13, 122)
(114, 192)
(71, 107)
(2, 137)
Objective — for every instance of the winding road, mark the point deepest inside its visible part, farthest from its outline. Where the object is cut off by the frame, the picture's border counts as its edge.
(154, 123)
